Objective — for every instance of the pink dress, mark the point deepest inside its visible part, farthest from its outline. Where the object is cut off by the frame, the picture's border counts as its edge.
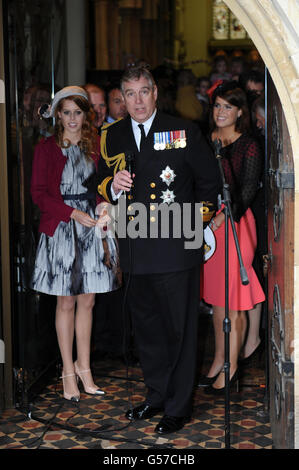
(241, 164)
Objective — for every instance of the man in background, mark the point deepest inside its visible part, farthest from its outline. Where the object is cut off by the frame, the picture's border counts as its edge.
(97, 99)
(116, 104)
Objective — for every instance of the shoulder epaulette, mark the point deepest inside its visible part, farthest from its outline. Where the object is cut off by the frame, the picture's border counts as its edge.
(108, 124)
(207, 210)
(119, 161)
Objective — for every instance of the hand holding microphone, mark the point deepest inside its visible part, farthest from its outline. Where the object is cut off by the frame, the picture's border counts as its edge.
(123, 179)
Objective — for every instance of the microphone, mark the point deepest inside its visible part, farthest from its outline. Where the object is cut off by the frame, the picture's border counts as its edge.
(217, 147)
(129, 157)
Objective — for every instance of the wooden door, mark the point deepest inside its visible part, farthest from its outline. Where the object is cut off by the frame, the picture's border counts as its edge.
(33, 340)
(280, 273)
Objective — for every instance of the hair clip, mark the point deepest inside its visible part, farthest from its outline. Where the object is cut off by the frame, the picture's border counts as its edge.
(222, 86)
(215, 86)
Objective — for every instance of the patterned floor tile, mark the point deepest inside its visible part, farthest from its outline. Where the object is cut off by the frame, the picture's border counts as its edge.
(99, 422)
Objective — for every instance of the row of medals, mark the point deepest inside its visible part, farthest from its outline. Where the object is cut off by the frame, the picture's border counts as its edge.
(170, 140)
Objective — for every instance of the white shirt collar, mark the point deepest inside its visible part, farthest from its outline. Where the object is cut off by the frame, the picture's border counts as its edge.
(147, 124)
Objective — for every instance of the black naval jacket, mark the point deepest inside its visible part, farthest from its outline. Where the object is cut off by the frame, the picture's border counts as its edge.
(196, 179)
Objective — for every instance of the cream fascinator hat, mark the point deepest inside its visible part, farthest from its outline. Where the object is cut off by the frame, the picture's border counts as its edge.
(47, 111)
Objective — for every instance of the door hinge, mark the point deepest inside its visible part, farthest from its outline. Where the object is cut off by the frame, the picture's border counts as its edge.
(285, 180)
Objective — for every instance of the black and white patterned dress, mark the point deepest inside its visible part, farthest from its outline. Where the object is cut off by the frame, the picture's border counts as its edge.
(71, 262)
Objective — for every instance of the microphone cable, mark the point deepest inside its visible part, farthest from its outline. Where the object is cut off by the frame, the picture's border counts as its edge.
(95, 433)
(129, 156)
(52, 422)
(98, 433)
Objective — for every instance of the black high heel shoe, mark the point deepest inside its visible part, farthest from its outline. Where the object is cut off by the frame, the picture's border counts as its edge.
(258, 351)
(205, 381)
(220, 391)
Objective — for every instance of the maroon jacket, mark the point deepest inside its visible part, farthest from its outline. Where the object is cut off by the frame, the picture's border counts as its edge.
(47, 168)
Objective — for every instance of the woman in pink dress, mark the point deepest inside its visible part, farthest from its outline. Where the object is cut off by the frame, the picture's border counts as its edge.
(241, 161)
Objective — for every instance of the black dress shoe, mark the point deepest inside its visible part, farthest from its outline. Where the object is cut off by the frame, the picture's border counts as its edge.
(143, 411)
(169, 424)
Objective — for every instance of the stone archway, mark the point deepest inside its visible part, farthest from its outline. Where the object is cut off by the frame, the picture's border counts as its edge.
(272, 27)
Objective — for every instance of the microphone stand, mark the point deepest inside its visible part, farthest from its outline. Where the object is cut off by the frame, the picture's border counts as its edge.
(244, 279)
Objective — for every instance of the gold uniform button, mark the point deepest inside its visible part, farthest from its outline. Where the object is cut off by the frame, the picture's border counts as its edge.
(153, 196)
(130, 196)
(153, 185)
(130, 208)
(131, 217)
(153, 219)
(152, 207)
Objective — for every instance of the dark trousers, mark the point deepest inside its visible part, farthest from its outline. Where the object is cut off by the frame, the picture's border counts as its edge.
(164, 317)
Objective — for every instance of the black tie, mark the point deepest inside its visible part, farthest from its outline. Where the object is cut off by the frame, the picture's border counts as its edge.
(143, 137)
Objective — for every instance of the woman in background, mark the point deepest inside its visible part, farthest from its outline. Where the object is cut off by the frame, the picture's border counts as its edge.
(241, 161)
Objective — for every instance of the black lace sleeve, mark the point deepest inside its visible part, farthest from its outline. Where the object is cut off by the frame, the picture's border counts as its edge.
(248, 180)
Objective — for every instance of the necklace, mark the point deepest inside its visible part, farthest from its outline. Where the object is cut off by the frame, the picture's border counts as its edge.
(227, 140)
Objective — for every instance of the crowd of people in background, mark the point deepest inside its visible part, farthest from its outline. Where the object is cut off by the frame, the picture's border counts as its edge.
(181, 92)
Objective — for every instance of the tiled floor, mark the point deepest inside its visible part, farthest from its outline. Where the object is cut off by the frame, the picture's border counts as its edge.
(99, 422)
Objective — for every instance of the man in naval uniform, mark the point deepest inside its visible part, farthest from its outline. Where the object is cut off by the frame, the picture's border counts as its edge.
(172, 164)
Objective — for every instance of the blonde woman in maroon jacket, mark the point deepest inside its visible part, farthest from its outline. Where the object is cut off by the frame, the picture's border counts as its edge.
(70, 254)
